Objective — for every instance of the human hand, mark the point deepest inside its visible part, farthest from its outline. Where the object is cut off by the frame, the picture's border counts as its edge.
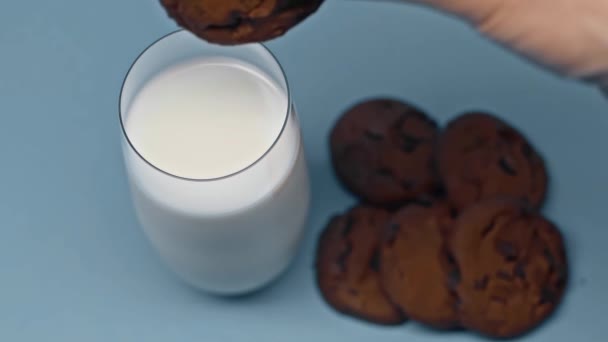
(567, 36)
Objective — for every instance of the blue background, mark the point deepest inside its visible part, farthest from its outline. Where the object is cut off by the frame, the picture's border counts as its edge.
(74, 265)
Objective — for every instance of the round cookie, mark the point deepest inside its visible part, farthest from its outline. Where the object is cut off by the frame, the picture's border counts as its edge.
(347, 266)
(230, 22)
(382, 151)
(420, 274)
(513, 267)
(480, 156)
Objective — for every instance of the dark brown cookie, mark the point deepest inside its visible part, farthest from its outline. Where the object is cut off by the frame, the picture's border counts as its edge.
(513, 267)
(480, 156)
(230, 22)
(347, 266)
(417, 271)
(382, 151)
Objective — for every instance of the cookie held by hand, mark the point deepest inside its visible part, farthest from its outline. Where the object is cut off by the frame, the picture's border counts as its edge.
(231, 22)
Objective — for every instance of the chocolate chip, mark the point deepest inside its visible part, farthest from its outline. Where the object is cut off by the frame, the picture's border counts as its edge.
(343, 257)
(374, 136)
(453, 213)
(424, 201)
(457, 300)
(553, 265)
(391, 233)
(488, 229)
(507, 250)
(285, 4)
(507, 167)
(408, 184)
(385, 172)
(235, 18)
(454, 275)
(348, 226)
(353, 292)
(374, 262)
(527, 210)
(450, 259)
(504, 275)
(547, 296)
(399, 124)
(481, 284)
(410, 143)
(520, 270)
(453, 278)
(439, 191)
(507, 133)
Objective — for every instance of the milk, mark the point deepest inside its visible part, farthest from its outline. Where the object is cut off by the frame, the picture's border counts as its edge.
(206, 118)
(217, 172)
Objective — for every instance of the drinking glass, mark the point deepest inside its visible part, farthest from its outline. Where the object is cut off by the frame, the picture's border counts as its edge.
(231, 234)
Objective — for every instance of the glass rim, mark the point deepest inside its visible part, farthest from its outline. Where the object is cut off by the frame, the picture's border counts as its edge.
(288, 110)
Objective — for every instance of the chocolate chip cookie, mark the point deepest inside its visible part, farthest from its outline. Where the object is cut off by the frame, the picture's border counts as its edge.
(347, 266)
(481, 156)
(418, 270)
(382, 151)
(513, 267)
(230, 22)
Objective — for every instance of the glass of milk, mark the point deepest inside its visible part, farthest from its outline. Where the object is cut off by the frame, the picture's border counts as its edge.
(215, 161)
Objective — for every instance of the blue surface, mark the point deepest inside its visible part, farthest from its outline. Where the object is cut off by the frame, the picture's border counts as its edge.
(74, 265)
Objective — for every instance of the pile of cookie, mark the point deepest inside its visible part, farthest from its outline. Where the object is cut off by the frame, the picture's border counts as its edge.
(448, 231)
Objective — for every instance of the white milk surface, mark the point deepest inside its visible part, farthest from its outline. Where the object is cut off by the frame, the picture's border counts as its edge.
(202, 121)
